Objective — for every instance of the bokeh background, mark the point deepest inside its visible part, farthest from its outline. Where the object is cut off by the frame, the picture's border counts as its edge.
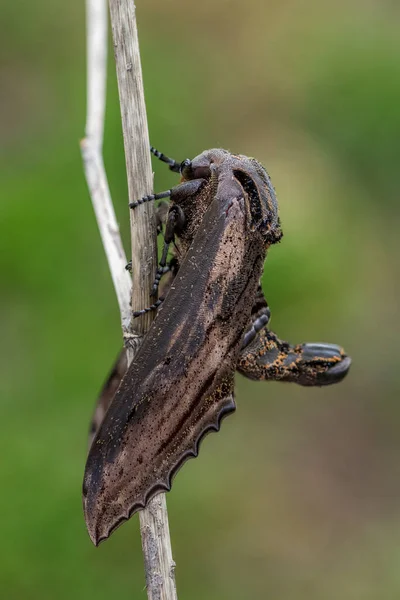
(298, 497)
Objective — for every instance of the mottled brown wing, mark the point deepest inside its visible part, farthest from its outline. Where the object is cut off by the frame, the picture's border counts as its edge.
(120, 366)
(180, 384)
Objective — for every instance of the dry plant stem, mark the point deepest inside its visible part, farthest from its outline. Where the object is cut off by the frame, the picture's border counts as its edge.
(91, 147)
(137, 154)
(156, 544)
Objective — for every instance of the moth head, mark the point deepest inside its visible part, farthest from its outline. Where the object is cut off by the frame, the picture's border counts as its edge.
(203, 165)
(260, 198)
(258, 192)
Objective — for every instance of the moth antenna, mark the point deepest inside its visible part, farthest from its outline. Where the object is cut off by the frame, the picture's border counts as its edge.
(149, 198)
(175, 221)
(173, 164)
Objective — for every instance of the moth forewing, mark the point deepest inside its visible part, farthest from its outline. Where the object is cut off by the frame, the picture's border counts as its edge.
(180, 384)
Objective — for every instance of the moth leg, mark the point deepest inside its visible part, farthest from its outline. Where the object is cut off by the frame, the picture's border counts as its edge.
(149, 198)
(259, 322)
(184, 190)
(259, 318)
(175, 222)
(161, 217)
(177, 193)
(269, 358)
(154, 306)
(168, 267)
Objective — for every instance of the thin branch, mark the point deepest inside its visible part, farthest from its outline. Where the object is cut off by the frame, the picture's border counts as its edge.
(156, 544)
(91, 147)
(137, 154)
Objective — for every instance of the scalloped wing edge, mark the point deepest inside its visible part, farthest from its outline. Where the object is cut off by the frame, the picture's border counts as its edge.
(159, 487)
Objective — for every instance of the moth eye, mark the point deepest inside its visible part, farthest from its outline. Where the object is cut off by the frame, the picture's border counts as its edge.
(186, 168)
(251, 190)
(185, 163)
(198, 168)
(202, 172)
(190, 170)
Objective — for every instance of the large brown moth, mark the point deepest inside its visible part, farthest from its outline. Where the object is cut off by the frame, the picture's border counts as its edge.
(211, 322)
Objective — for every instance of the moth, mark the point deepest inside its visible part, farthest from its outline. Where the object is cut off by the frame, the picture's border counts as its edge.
(212, 321)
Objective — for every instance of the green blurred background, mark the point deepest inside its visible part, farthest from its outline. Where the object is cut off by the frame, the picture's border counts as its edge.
(298, 497)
